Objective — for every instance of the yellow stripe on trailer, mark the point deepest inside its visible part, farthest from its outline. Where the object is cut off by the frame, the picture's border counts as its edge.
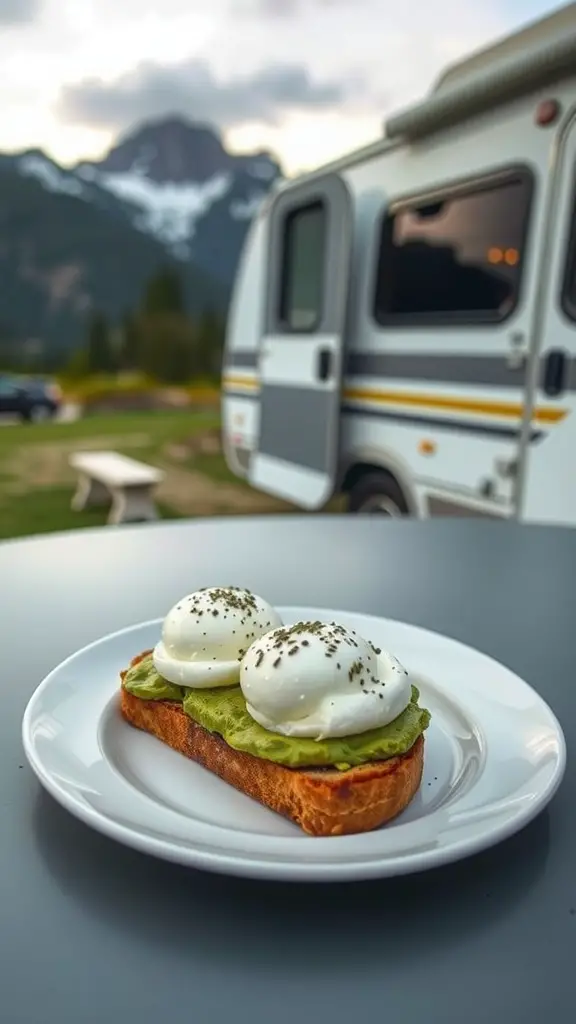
(410, 399)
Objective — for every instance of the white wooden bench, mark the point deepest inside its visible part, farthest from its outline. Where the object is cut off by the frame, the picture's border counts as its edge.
(108, 478)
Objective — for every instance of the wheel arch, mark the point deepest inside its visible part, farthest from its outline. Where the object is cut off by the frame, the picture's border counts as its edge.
(363, 461)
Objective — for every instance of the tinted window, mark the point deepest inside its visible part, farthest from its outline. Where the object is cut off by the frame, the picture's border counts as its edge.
(303, 268)
(456, 259)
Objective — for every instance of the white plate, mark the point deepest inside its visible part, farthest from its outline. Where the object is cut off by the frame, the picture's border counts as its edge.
(494, 757)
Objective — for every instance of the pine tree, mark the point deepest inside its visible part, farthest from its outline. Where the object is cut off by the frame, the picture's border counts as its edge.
(166, 335)
(100, 351)
(167, 351)
(209, 345)
(164, 293)
(130, 344)
(77, 366)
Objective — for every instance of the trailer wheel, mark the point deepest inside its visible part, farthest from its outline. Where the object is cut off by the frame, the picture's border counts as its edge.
(377, 494)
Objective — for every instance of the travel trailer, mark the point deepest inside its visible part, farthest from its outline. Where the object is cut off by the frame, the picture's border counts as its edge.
(403, 323)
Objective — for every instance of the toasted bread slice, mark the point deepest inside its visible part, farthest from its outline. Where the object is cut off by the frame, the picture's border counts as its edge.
(323, 801)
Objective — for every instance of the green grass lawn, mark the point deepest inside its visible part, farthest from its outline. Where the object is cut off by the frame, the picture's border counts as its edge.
(35, 496)
(162, 425)
(45, 510)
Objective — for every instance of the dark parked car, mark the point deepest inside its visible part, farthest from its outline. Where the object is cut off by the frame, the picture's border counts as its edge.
(32, 401)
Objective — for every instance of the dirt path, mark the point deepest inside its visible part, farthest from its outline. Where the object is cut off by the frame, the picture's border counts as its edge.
(46, 464)
(191, 493)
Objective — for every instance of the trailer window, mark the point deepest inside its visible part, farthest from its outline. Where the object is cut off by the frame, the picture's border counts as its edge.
(303, 266)
(456, 258)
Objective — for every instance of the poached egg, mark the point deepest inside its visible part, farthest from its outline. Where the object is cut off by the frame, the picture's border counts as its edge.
(207, 633)
(320, 680)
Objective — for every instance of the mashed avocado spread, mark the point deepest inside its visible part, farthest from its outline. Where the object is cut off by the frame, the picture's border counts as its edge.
(223, 711)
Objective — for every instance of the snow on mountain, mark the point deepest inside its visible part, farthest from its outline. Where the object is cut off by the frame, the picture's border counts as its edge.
(37, 165)
(245, 209)
(166, 210)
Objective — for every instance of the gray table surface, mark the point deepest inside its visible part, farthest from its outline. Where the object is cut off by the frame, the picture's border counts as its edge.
(92, 932)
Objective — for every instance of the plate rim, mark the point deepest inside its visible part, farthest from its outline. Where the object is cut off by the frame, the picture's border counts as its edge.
(256, 866)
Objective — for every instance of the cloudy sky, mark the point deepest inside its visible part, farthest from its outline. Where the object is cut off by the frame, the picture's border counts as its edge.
(309, 79)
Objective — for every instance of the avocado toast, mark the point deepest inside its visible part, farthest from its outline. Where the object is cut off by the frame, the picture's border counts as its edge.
(329, 787)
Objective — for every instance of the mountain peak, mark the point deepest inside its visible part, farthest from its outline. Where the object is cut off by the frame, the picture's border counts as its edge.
(174, 123)
(175, 150)
(170, 150)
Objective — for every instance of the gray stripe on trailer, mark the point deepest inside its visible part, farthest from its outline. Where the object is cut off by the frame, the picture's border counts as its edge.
(241, 359)
(487, 371)
(443, 507)
(296, 424)
(491, 371)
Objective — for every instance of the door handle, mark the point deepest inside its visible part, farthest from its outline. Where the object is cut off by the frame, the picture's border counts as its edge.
(324, 363)
(555, 372)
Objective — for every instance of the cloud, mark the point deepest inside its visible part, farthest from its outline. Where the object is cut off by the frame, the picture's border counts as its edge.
(372, 56)
(193, 89)
(283, 8)
(17, 12)
(277, 8)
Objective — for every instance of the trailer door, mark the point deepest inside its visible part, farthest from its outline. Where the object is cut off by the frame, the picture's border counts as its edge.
(301, 354)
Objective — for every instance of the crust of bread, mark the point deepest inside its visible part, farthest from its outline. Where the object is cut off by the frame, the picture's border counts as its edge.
(322, 801)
